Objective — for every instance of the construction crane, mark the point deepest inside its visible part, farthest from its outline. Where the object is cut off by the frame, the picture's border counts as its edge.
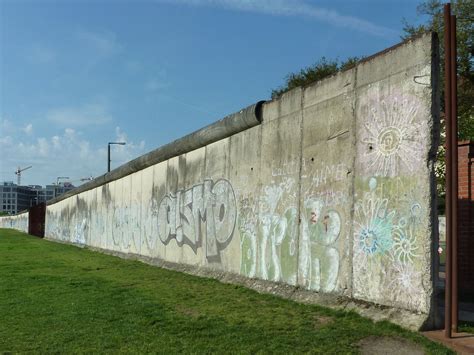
(18, 173)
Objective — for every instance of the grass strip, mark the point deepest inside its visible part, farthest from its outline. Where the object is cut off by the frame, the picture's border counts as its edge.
(60, 298)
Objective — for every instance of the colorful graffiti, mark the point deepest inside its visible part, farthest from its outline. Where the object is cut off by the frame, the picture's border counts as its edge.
(386, 249)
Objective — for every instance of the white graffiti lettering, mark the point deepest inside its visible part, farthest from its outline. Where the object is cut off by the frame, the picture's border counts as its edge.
(181, 216)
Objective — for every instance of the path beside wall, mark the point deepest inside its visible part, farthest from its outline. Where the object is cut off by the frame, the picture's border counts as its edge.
(333, 192)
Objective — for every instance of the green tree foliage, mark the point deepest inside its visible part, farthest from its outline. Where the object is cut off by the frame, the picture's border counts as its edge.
(464, 11)
(323, 68)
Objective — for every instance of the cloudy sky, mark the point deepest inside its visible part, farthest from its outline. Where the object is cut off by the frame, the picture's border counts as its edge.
(75, 75)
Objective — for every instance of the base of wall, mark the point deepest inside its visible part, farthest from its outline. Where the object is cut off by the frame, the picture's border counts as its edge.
(402, 317)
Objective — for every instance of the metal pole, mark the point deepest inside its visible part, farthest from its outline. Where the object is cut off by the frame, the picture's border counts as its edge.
(108, 158)
(454, 177)
(447, 117)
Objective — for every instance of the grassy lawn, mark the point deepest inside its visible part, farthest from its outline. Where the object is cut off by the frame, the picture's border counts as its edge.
(467, 327)
(59, 298)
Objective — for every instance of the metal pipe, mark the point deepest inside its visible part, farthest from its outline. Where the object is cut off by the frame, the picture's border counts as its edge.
(454, 177)
(224, 128)
(447, 118)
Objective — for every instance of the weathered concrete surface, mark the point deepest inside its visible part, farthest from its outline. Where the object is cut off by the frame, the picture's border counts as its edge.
(332, 193)
(226, 127)
(18, 222)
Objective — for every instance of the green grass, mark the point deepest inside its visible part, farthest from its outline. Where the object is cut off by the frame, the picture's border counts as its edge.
(59, 298)
(467, 327)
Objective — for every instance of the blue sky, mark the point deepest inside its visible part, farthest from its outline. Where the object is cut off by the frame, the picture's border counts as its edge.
(75, 75)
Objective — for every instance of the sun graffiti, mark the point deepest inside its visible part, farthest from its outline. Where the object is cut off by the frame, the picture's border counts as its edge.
(393, 137)
(405, 246)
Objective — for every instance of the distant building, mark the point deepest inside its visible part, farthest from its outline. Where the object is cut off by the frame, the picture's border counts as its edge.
(14, 198)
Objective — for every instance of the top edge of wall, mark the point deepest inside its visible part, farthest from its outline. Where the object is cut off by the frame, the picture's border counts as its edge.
(300, 90)
(225, 127)
(246, 118)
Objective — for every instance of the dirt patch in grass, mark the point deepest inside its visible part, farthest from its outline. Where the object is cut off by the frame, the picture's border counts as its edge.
(387, 345)
(188, 312)
(321, 321)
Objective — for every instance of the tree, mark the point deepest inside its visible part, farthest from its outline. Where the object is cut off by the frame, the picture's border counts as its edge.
(323, 68)
(464, 11)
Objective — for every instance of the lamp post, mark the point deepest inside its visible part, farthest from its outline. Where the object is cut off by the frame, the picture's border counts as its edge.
(108, 155)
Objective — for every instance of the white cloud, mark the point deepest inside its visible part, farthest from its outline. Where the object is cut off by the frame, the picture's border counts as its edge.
(28, 129)
(6, 141)
(66, 154)
(124, 153)
(297, 8)
(6, 126)
(86, 115)
(43, 147)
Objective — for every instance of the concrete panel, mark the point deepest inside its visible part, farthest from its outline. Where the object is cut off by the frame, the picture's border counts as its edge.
(277, 227)
(99, 219)
(116, 211)
(397, 60)
(149, 214)
(85, 213)
(135, 222)
(394, 205)
(336, 85)
(18, 222)
(190, 202)
(108, 195)
(325, 263)
(168, 212)
(245, 167)
(220, 205)
(125, 204)
(289, 103)
(158, 247)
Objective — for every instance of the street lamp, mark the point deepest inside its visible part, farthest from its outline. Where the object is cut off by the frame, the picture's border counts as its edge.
(108, 159)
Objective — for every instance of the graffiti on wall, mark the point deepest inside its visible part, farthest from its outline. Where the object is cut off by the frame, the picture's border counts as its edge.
(386, 246)
(392, 135)
(18, 222)
(207, 209)
(268, 233)
(269, 228)
(319, 256)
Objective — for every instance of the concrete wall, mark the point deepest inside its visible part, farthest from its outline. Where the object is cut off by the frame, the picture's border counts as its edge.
(18, 222)
(333, 192)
